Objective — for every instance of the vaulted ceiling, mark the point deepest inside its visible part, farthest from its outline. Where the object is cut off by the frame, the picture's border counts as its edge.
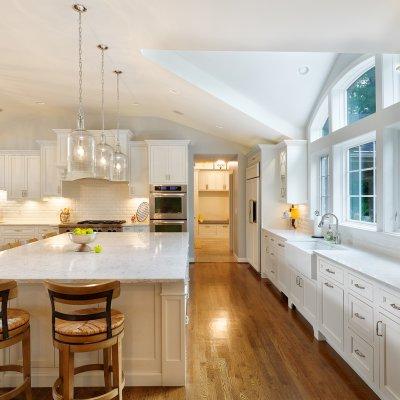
(242, 89)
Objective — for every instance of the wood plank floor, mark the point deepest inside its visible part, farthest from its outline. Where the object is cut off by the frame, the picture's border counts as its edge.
(244, 343)
(213, 250)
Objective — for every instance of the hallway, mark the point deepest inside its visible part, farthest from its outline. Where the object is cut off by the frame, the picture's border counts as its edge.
(244, 343)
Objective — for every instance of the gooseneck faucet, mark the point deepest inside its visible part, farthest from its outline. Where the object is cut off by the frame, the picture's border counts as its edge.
(327, 215)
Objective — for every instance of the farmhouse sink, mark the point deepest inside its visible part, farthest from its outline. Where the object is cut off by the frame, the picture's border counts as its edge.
(300, 255)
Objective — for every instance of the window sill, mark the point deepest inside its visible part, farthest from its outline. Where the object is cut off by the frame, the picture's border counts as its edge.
(360, 226)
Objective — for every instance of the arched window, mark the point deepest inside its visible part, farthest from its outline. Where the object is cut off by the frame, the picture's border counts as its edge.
(321, 123)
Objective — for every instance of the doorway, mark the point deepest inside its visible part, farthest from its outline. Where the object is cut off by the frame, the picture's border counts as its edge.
(213, 219)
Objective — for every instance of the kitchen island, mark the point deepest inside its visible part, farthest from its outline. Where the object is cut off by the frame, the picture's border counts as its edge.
(153, 270)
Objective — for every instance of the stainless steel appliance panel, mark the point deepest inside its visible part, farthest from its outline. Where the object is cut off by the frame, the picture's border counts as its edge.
(168, 226)
(168, 202)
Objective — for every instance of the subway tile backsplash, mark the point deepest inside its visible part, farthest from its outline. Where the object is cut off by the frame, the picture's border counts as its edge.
(88, 199)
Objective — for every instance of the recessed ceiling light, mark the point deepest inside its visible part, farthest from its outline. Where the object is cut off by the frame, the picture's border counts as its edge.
(219, 126)
(174, 91)
(178, 112)
(40, 103)
(136, 104)
(303, 70)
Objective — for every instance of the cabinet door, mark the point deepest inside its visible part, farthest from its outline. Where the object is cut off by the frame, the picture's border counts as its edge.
(3, 173)
(51, 184)
(139, 172)
(283, 175)
(309, 297)
(332, 312)
(33, 177)
(17, 177)
(177, 160)
(389, 357)
(225, 184)
(203, 180)
(297, 290)
(159, 164)
(284, 276)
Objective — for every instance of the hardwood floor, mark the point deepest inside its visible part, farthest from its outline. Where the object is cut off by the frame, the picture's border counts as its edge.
(213, 250)
(244, 343)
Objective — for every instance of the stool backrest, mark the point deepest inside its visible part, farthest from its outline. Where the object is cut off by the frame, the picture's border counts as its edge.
(8, 291)
(96, 293)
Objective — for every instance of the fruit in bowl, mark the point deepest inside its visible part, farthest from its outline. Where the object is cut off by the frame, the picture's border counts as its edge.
(82, 236)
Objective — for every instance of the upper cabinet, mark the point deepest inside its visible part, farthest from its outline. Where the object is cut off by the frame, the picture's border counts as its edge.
(20, 174)
(111, 139)
(138, 170)
(50, 175)
(213, 181)
(168, 161)
(292, 162)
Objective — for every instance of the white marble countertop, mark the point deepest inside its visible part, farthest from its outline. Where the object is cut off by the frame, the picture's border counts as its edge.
(383, 269)
(290, 234)
(130, 257)
(28, 223)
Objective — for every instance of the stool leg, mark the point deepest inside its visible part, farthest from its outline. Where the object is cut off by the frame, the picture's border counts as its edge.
(117, 366)
(26, 361)
(107, 372)
(68, 373)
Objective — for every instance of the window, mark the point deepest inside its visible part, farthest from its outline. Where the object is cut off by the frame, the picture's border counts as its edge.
(320, 124)
(325, 128)
(324, 184)
(361, 194)
(360, 95)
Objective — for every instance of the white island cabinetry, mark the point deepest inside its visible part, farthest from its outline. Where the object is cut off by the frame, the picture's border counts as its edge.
(153, 270)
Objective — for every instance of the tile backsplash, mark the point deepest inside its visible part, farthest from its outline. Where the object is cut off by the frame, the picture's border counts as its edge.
(88, 199)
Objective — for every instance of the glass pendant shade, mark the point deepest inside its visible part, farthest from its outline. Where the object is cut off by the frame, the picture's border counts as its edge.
(81, 154)
(104, 160)
(120, 165)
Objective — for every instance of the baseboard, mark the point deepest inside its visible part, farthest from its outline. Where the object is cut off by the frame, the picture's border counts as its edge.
(239, 259)
(191, 259)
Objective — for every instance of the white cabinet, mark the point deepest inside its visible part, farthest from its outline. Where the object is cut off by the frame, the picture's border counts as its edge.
(138, 170)
(22, 233)
(292, 162)
(50, 178)
(296, 289)
(22, 180)
(214, 181)
(309, 299)
(168, 161)
(3, 172)
(388, 330)
(216, 231)
(332, 312)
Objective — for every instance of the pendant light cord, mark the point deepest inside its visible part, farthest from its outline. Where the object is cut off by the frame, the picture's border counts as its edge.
(103, 138)
(117, 72)
(80, 109)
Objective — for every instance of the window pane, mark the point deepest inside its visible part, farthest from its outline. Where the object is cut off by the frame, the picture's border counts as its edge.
(325, 128)
(361, 97)
(324, 186)
(324, 204)
(354, 161)
(354, 183)
(367, 182)
(367, 209)
(367, 155)
(324, 166)
(355, 208)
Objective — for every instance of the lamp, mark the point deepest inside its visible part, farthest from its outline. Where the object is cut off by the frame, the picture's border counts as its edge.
(294, 215)
(120, 159)
(220, 164)
(104, 152)
(80, 143)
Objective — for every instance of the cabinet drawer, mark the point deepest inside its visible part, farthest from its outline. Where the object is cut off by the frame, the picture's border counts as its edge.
(18, 230)
(331, 271)
(390, 302)
(223, 231)
(361, 355)
(361, 287)
(207, 230)
(361, 318)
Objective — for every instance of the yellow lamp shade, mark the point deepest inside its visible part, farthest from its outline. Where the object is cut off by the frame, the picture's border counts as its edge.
(294, 213)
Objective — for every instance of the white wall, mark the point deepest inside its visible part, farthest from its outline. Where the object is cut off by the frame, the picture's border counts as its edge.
(22, 131)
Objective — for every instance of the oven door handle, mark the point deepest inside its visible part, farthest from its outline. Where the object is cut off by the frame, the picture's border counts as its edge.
(168, 222)
(168, 194)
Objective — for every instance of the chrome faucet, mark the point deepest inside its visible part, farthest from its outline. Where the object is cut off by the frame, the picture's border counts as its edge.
(327, 215)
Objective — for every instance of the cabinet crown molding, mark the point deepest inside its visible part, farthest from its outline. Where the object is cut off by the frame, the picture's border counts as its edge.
(167, 142)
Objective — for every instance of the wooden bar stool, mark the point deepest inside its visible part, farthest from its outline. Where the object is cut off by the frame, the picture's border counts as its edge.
(15, 328)
(85, 330)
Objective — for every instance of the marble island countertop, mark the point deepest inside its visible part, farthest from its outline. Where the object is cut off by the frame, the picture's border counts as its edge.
(130, 257)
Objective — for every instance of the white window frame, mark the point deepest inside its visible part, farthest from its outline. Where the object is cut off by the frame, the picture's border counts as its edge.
(345, 173)
(319, 120)
(390, 79)
(328, 191)
(339, 93)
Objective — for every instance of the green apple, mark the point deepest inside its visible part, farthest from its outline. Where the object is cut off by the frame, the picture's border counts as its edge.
(89, 231)
(98, 248)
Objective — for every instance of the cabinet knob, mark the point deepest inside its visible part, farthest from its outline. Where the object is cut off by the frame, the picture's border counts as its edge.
(329, 271)
(358, 286)
(359, 316)
(358, 352)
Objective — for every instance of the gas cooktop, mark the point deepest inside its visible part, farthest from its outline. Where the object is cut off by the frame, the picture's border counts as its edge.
(101, 222)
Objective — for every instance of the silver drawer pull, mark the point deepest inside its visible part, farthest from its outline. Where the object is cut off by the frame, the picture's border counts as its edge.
(359, 316)
(329, 285)
(358, 352)
(358, 286)
(329, 271)
(395, 306)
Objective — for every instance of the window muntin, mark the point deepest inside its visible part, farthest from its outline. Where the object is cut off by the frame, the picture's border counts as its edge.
(324, 184)
(360, 97)
(361, 175)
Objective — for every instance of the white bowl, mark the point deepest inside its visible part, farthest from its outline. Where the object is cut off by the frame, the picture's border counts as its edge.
(83, 240)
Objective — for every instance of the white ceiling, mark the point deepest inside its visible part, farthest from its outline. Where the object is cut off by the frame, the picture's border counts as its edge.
(38, 54)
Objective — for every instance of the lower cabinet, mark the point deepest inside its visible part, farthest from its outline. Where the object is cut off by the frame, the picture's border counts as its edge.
(284, 275)
(388, 331)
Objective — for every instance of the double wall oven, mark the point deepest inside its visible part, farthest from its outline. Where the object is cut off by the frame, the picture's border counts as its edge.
(168, 208)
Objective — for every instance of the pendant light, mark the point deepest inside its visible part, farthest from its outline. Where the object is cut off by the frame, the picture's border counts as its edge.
(104, 152)
(120, 159)
(81, 145)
